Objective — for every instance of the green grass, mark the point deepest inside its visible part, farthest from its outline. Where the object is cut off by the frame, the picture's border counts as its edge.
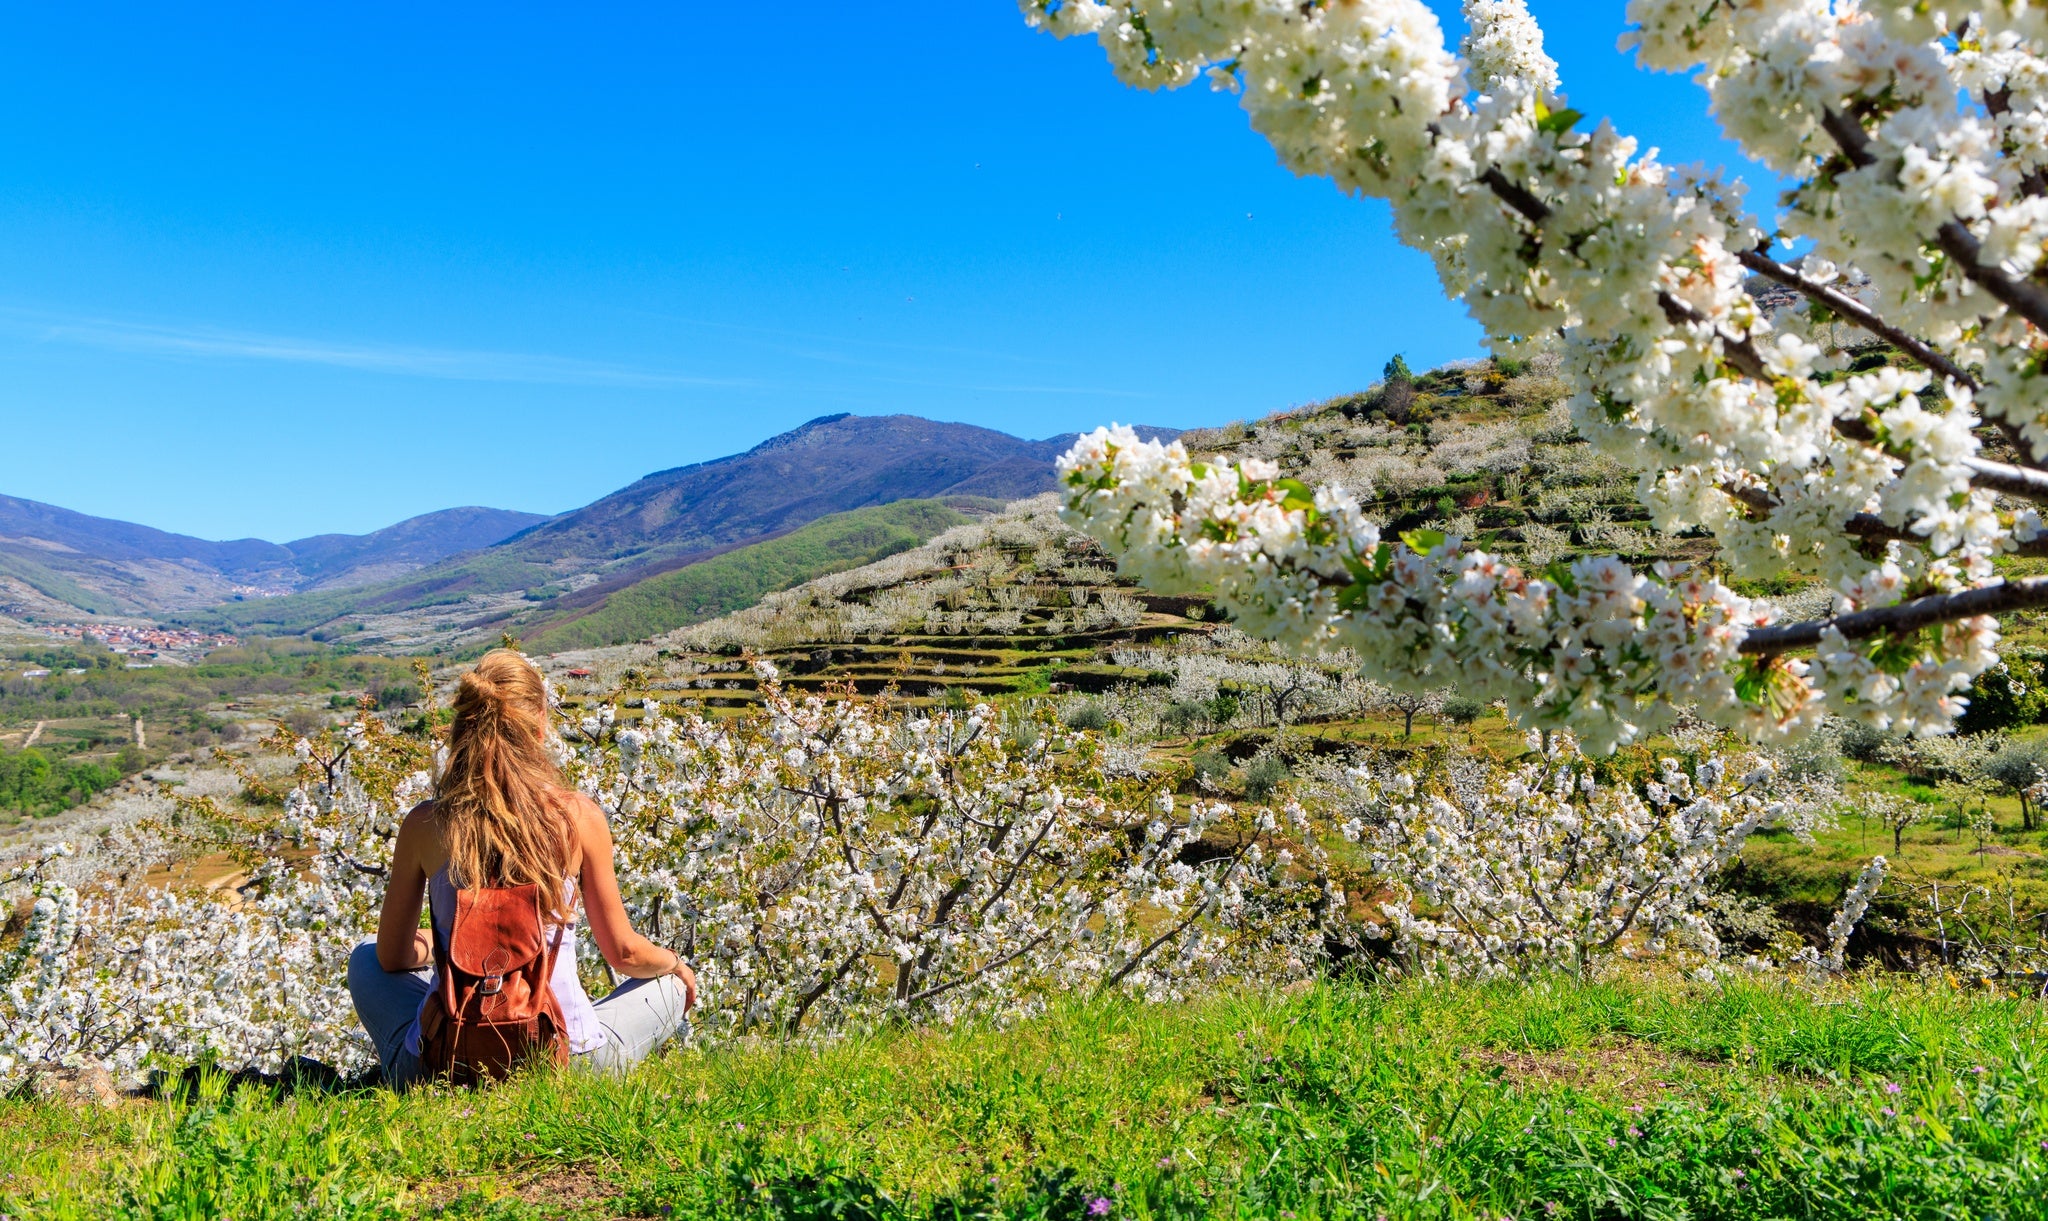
(740, 578)
(1641, 1098)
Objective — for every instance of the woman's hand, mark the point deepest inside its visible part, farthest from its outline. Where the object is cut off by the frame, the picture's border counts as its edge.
(689, 978)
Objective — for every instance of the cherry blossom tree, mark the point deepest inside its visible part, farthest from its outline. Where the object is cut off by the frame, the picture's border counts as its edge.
(1510, 870)
(1915, 140)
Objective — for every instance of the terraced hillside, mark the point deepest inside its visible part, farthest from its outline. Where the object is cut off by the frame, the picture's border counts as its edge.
(1021, 604)
(1015, 604)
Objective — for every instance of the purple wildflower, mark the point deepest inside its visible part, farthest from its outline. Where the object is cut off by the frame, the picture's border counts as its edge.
(1891, 1087)
(1099, 1206)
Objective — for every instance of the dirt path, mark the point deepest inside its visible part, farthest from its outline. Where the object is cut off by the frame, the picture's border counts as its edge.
(33, 734)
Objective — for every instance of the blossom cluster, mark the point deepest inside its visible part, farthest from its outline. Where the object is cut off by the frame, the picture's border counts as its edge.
(1589, 646)
(1912, 135)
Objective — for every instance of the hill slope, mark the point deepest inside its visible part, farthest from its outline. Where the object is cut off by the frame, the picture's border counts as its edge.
(739, 578)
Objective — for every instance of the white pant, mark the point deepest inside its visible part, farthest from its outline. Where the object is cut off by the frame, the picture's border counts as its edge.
(637, 1018)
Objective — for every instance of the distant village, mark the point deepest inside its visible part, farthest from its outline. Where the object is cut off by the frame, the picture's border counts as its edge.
(141, 643)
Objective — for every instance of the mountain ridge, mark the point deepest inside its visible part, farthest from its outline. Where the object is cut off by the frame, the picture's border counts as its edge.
(57, 557)
(668, 519)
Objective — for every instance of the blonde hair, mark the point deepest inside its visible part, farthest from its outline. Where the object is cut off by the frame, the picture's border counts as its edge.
(495, 803)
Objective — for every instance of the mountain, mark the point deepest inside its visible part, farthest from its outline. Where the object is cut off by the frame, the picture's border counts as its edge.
(829, 465)
(328, 560)
(689, 514)
(55, 562)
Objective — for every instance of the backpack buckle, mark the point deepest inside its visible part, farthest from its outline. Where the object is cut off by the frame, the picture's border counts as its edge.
(491, 985)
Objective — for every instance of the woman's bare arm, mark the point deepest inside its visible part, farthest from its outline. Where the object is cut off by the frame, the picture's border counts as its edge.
(401, 944)
(627, 951)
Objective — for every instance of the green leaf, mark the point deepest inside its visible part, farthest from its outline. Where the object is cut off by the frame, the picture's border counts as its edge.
(1422, 542)
(1555, 122)
(1295, 494)
(1199, 470)
(1366, 571)
(1559, 573)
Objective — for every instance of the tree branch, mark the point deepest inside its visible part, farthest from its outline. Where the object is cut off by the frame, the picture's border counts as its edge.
(1515, 195)
(812, 997)
(2021, 482)
(1862, 525)
(982, 970)
(2025, 594)
(1855, 311)
(2022, 296)
(1850, 137)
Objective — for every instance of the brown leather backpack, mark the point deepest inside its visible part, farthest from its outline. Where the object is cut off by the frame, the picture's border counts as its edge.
(495, 1008)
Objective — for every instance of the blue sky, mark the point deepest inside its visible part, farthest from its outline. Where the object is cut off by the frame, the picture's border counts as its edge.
(282, 270)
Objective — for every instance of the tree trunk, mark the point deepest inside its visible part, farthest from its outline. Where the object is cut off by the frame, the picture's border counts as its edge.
(1408, 722)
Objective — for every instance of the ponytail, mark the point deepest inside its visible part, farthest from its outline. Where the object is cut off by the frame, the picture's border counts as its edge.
(495, 800)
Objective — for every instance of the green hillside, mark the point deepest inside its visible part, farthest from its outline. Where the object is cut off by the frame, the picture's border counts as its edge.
(485, 572)
(52, 584)
(740, 578)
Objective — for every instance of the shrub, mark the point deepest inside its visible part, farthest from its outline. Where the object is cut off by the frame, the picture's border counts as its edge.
(1861, 742)
(1211, 765)
(1463, 710)
(1087, 715)
(1183, 715)
(1264, 777)
(397, 695)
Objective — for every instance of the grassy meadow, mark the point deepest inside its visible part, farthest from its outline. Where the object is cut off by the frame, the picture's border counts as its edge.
(1643, 1096)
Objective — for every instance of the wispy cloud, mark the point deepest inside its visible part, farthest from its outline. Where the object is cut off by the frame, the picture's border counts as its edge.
(1002, 388)
(451, 364)
(458, 364)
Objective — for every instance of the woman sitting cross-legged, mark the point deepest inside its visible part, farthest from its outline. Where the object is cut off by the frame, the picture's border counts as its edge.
(502, 853)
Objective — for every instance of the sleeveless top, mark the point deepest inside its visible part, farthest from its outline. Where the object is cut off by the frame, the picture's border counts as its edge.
(578, 1017)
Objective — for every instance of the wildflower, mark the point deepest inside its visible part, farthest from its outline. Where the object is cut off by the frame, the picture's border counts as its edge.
(1891, 1087)
(1099, 1206)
